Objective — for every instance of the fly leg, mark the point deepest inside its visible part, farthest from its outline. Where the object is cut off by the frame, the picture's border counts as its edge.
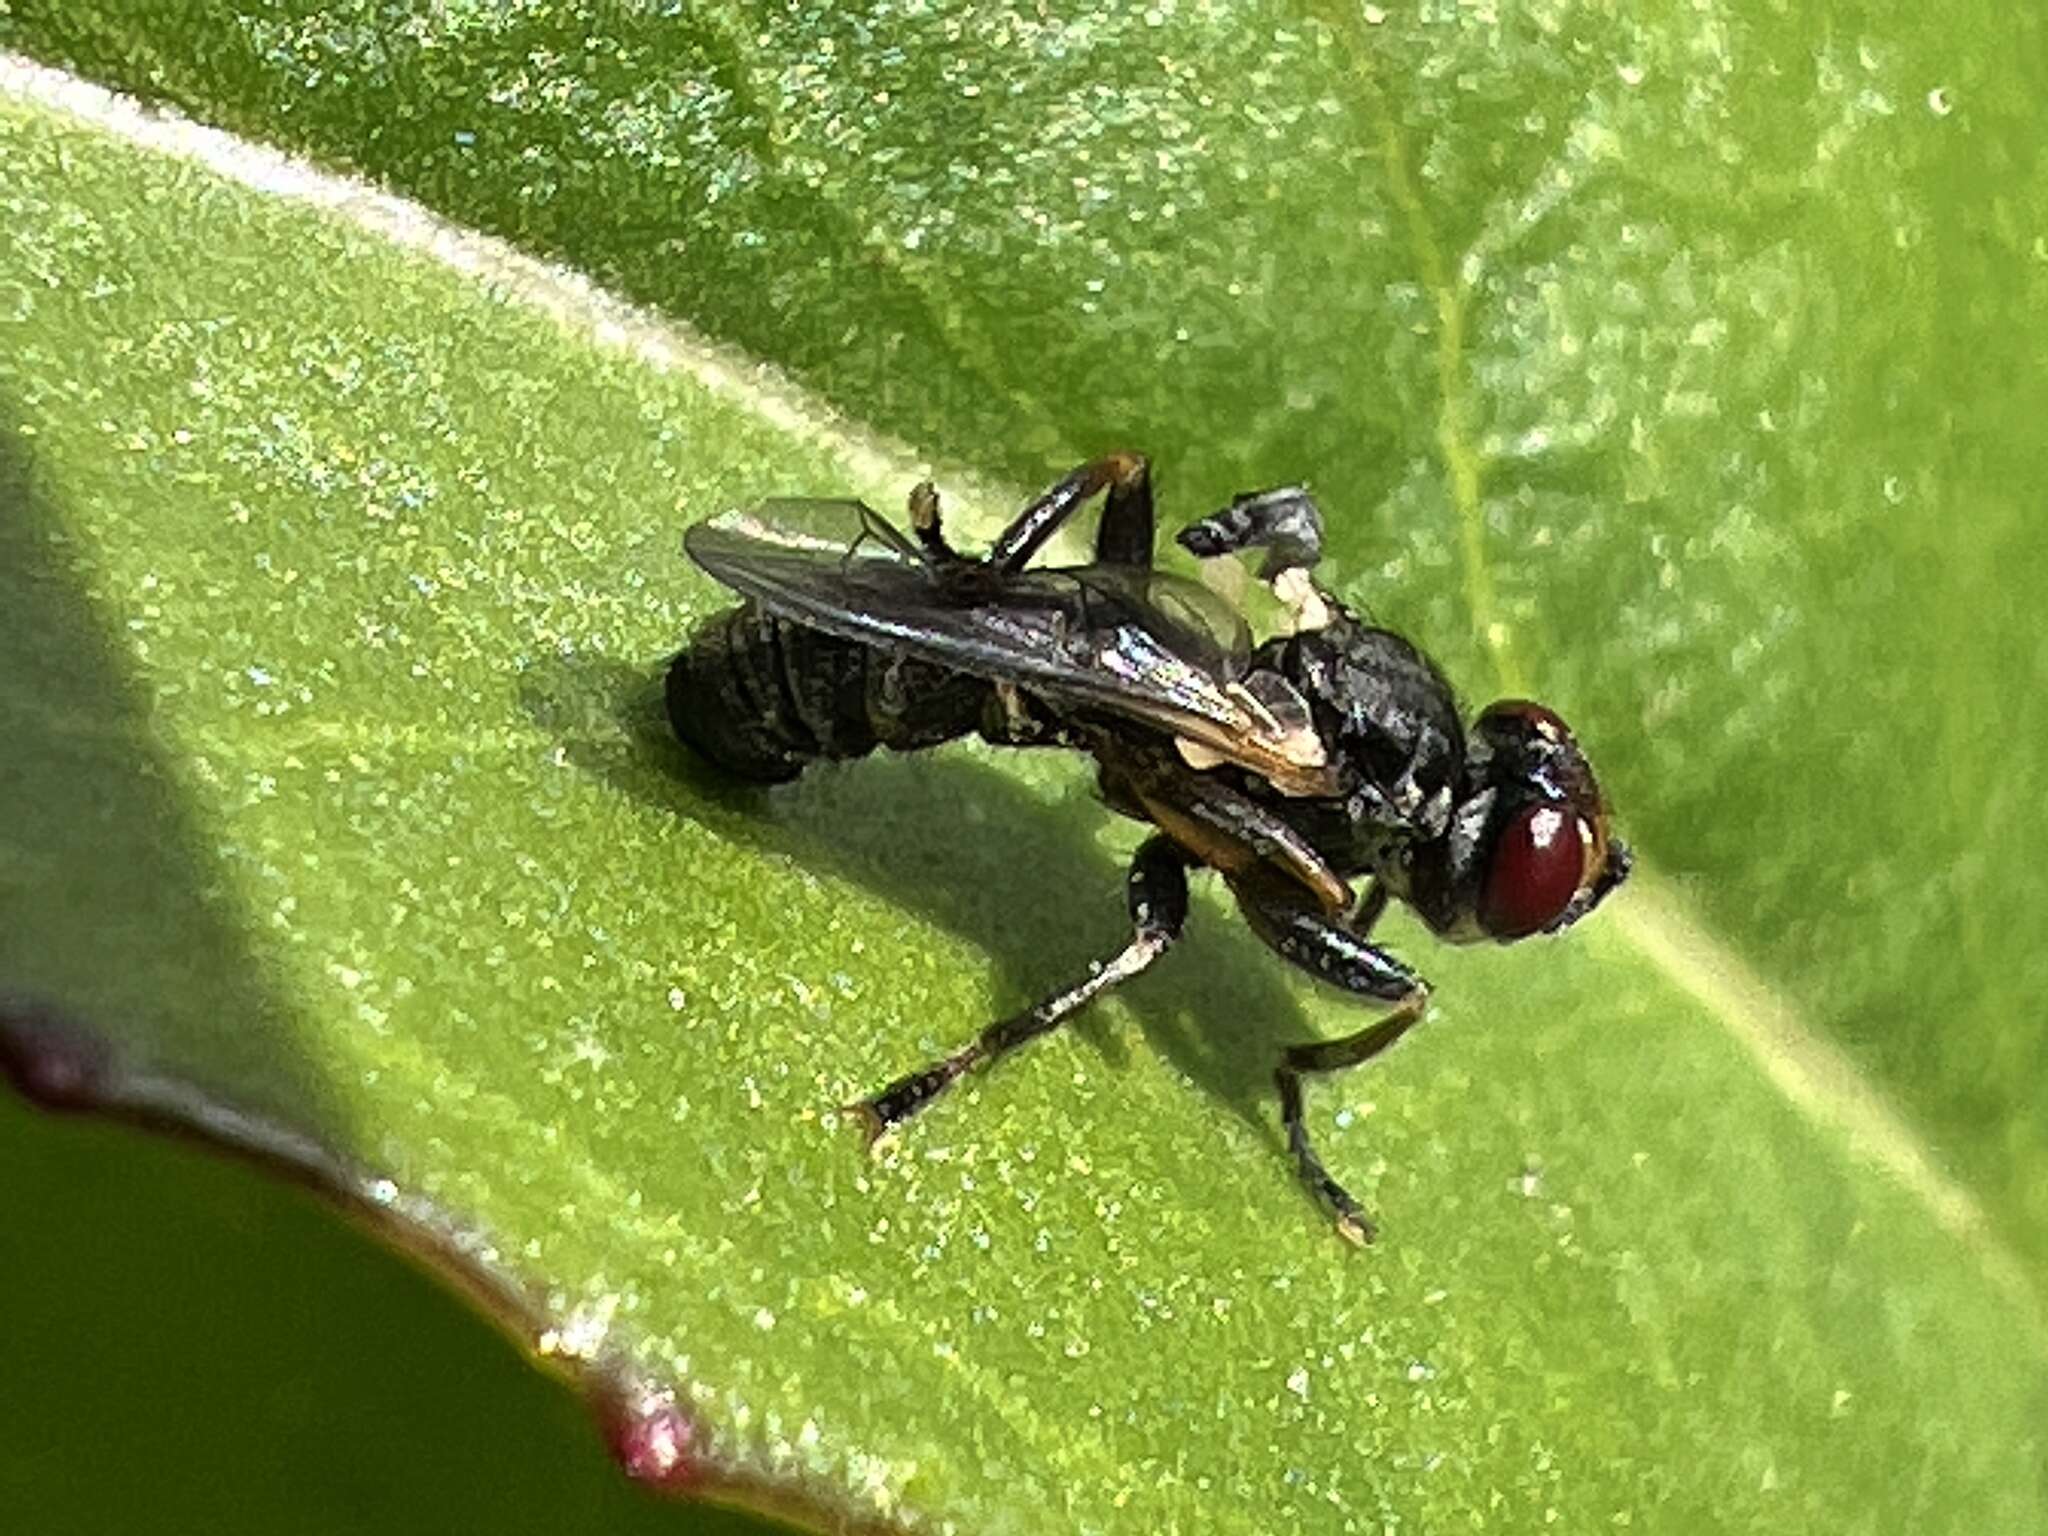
(1285, 522)
(1336, 952)
(1124, 536)
(1220, 826)
(1157, 889)
(924, 522)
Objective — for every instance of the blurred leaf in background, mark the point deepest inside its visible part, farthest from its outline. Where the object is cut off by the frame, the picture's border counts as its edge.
(1676, 366)
(195, 1348)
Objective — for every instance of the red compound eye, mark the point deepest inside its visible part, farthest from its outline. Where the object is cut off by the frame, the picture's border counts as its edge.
(1537, 864)
(1539, 719)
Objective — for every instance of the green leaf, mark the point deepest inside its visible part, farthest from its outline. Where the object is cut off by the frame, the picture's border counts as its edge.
(1645, 365)
(1692, 348)
(280, 1374)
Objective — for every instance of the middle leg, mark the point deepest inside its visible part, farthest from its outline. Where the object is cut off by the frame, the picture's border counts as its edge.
(1157, 888)
(1336, 952)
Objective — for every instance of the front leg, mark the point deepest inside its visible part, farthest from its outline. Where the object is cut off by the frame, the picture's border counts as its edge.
(1285, 522)
(1218, 825)
(1336, 952)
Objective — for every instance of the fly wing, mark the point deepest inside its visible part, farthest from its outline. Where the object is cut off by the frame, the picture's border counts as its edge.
(1144, 645)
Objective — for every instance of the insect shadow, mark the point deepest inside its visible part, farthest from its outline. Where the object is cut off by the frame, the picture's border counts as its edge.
(1018, 876)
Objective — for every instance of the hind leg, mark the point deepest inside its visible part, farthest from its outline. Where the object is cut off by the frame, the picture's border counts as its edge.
(1125, 534)
(1158, 894)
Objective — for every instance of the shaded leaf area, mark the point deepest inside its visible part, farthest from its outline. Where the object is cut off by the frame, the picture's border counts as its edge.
(388, 568)
(1676, 363)
(100, 837)
(195, 1348)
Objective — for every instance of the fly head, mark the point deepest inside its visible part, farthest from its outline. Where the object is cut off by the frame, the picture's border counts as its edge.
(1528, 849)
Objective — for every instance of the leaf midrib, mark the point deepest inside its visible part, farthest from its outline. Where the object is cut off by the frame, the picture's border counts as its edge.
(1810, 1071)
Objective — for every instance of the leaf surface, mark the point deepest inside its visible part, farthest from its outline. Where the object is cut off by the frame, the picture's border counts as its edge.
(343, 585)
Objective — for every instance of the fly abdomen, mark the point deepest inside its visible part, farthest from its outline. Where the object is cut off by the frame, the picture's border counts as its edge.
(761, 696)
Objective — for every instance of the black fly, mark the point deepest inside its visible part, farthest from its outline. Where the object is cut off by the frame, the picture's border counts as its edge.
(1330, 752)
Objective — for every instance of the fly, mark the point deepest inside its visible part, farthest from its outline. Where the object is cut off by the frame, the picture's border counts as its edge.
(1328, 755)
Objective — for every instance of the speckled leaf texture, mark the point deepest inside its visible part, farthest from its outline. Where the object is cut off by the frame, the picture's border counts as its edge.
(1678, 364)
